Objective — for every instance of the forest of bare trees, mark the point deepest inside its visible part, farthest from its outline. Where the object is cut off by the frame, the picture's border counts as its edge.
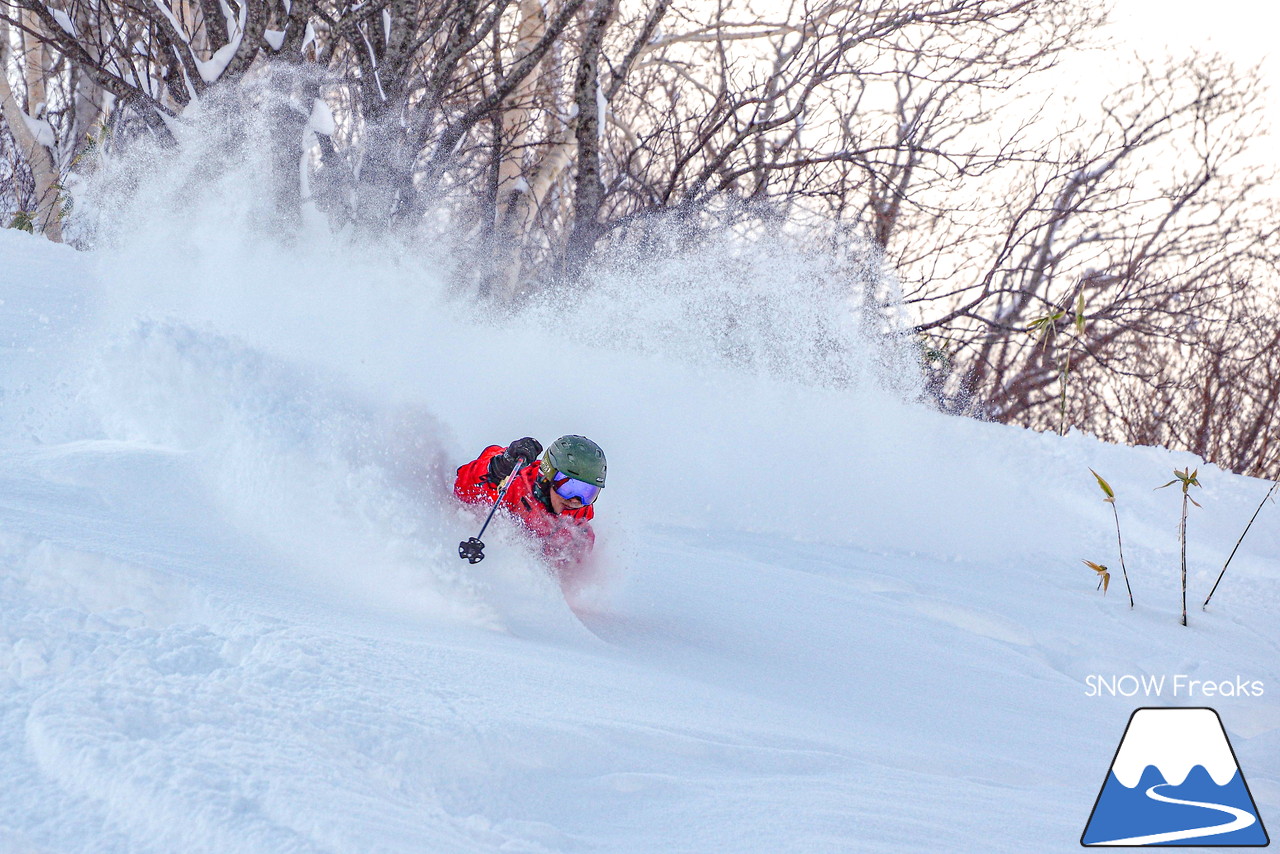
(1104, 264)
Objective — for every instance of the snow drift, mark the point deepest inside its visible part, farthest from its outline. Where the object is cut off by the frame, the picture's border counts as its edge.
(830, 618)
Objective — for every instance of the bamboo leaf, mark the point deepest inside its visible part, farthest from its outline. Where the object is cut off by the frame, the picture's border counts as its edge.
(1106, 487)
(1104, 575)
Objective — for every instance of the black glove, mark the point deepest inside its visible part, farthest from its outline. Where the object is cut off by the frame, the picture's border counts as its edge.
(528, 447)
(501, 465)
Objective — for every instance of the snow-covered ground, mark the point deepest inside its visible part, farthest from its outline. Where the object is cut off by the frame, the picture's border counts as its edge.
(233, 619)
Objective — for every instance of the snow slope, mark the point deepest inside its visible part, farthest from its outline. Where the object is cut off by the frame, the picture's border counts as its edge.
(232, 618)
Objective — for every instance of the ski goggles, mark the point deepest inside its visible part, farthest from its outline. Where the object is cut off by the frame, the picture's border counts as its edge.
(570, 488)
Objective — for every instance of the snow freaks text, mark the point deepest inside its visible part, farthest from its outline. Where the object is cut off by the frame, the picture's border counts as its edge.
(1178, 685)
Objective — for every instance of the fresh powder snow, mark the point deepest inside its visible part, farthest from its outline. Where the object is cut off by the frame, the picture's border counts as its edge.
(823, 617)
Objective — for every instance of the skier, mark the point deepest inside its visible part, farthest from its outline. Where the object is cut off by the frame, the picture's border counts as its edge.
(551, 497)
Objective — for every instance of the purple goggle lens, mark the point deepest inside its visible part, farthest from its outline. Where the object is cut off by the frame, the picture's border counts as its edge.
(569, 488)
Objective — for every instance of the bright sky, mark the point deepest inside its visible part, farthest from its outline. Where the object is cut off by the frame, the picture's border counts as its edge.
(1243, 30)
(1242, 27)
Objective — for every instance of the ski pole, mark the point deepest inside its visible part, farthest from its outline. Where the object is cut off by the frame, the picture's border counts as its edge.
(472, 550)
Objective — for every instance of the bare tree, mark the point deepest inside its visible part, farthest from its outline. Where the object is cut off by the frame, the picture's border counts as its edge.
(1114, 272)
(1128, 261)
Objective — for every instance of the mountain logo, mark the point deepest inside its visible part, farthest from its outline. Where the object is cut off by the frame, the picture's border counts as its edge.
(1175, 781)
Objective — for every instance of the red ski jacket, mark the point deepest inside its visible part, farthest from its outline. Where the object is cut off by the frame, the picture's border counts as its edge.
(565, 538)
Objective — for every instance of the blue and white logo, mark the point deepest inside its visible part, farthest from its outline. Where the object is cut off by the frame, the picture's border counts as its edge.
(1175, 781)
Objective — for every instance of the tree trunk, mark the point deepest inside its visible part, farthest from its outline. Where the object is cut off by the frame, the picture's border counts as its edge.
(512, 190)
(87, 114)
(589, 190)
(34, 65)
(39, 157)
(518, 111)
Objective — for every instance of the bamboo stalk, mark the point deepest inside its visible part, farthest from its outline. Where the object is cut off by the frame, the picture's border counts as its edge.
(1120, 543)
(1182, 535)
(1237, 546)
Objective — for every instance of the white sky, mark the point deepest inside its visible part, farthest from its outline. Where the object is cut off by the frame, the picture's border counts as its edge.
(1244, 30)
(1243, 27)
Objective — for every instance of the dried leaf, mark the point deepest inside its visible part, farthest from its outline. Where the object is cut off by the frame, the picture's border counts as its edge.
(1104, 576)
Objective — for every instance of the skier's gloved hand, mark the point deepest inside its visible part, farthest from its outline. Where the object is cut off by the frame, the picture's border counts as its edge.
(528, 447)
(501, 465)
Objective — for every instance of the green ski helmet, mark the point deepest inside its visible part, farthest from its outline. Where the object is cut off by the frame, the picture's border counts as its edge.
(578, 457)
